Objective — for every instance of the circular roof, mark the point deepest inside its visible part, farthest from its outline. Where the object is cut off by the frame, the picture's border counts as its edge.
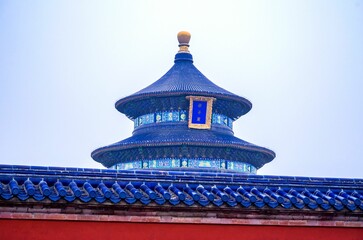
(181, 80)
(230, 147)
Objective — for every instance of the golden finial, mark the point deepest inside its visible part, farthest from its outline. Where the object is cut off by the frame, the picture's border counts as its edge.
(184, 38)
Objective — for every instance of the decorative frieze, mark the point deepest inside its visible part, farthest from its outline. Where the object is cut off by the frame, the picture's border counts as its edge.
(170, 163)
(178, 116)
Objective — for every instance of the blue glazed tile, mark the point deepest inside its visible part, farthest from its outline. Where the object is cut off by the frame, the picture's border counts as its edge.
(145, 164)
(149, 118)
(215, 188)
(158, 117)
(38, 168)
(152, 164)
(57, 168)
(164, 116)
(176, 173)
(230, 123)
(183, 115)
(22, 167)
(287, 178)
(136, 122)
(108, 171)
(214, 118)
(175, 116)
(175, 163)
(208, 174)
(3, 166)
(224, 120)
(184, 163)
(164, 163)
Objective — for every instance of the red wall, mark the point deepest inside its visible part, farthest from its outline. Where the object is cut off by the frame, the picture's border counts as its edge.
(42, 229)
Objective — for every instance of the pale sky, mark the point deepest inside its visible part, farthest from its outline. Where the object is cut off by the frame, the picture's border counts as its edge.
(63, 65)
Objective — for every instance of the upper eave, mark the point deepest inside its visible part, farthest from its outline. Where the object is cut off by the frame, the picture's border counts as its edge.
(182, 79)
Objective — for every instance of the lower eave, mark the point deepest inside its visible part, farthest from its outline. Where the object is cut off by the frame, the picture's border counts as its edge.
(110, 155)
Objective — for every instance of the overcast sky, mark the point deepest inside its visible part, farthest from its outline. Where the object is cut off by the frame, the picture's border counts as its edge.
(63, 65)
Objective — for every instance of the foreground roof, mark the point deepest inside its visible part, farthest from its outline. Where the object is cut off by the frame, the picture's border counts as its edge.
(180, 190)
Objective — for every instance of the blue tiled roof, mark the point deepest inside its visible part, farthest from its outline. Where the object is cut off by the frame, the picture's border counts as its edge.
(170, 138)
(181, 80)
(179, 189)
(181, 135)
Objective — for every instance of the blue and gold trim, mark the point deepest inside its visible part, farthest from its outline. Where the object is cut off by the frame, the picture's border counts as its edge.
(178, 116)
(200, 112)
(170, 163)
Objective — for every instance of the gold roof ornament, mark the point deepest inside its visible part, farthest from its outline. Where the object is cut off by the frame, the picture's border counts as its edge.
(184, 38)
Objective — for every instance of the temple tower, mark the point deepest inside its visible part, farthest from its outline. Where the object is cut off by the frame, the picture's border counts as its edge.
(183, 121)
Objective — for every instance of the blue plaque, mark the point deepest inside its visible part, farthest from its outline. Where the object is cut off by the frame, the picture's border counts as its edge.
(200, 112)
